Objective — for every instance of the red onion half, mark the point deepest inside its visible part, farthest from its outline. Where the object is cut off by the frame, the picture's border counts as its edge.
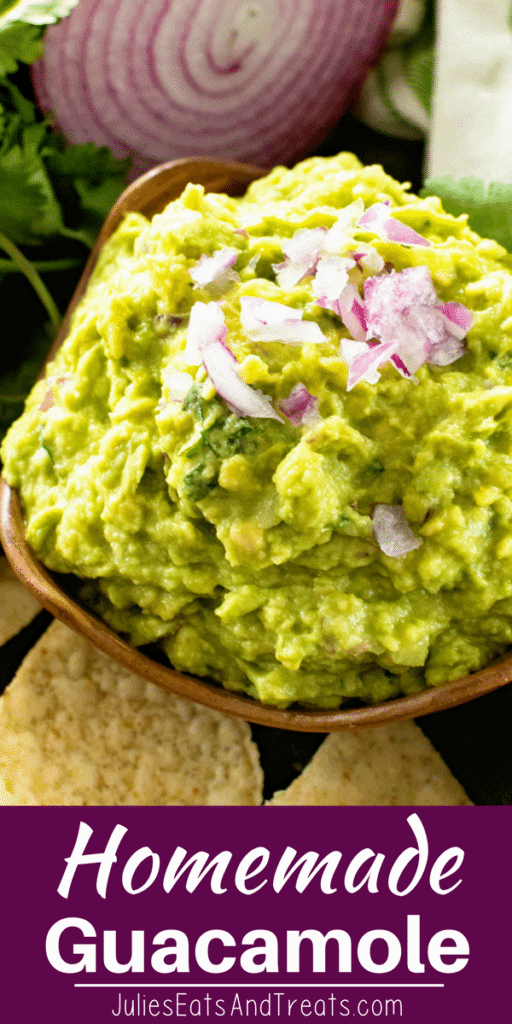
(261, 81)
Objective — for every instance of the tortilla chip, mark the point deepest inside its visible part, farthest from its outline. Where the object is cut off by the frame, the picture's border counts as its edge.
(389, 765)
(17, 606)
(76, 728)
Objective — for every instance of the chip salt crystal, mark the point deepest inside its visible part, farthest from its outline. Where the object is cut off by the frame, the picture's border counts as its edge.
(215, 270)
(301, 406)
(392, 531)
(377, 219)
(264, 320)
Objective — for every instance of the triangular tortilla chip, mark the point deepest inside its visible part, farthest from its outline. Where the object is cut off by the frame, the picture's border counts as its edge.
(17, 606)
(389, 765)
(76, 728)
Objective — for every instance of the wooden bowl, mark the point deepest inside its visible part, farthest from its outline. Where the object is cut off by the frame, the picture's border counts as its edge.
(148, 195)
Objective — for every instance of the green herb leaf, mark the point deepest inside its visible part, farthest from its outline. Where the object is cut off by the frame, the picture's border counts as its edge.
(489, 206)
(18, 43)
(34, 12)
(22, 26)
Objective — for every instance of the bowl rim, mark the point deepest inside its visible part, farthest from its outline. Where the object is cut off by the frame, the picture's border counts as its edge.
(50, 592)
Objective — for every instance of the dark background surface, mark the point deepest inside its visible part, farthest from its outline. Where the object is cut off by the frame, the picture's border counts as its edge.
(474, 739)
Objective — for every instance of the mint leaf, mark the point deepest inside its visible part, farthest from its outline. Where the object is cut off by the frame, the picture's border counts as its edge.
(489, 206)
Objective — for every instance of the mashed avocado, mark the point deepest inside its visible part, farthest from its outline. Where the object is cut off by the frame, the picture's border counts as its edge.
(281, 507)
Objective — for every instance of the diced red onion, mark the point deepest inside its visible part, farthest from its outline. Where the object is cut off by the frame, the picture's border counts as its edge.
(352, 312)
(366, 363)
(177, 383)
(343, 228)
(331, 279)
(261, 81)
(206, 343)
(395, 293)
(215, 270)
(367, 258)
(459, 318)
(392, 531)
(222, 368)
(49, 398)
(300, 407)
(264, 320)
(206, 324)
(446, 351)
(377, 219)
(301, 254)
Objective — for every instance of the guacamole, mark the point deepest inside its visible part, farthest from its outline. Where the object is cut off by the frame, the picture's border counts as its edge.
(278, 438)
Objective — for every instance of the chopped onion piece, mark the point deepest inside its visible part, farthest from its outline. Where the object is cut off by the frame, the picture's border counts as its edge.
(392, 531)
(349, 351)
(367, 258)
(222, 368)
(206, 324)
(391, 294)
(263, 320)
(177, 383)
(459, 318)
(214, 270)
(365, 364)
(343, 228)
(446, 351)
(49, 398)
(301, 253)
(300, 407)
(352, 312)
(331, 279)
(377, 219)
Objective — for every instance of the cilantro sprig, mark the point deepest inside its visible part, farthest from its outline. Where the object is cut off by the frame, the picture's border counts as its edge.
(53, 199)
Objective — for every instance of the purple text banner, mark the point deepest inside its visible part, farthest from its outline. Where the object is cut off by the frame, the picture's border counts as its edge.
(255, 914)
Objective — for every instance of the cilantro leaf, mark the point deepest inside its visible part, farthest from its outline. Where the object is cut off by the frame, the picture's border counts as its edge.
(18, 43)
(28, 207)
(22, 27)
(52, 196)
(48, 188)
(34, 12)
(489, 206)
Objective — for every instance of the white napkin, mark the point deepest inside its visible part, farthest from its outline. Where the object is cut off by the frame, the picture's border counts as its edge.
(471, 124)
